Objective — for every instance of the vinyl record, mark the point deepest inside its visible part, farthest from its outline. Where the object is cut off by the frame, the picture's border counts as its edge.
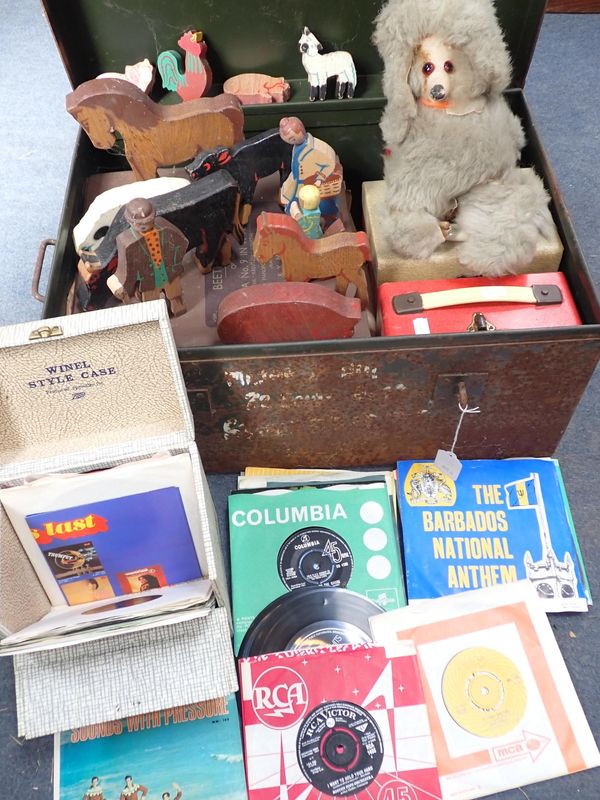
(317, 616)
(314, 556)
(484, 692)
(339, 748)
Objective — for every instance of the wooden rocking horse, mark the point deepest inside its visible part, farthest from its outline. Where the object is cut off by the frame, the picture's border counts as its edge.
(154, 135)
(341, 255)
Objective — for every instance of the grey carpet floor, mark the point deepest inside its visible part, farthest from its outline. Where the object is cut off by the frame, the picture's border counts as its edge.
(37, 138)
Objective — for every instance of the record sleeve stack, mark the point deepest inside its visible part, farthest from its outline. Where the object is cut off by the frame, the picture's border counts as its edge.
(111, 558)
(325, 546)
(348, 691)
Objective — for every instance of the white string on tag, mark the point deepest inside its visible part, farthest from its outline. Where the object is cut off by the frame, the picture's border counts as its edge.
(447, 460)
(463, 410)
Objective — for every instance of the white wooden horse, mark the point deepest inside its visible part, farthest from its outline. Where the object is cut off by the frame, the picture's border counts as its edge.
(320, 67)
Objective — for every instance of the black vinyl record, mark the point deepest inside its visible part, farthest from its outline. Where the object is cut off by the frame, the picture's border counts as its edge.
(339, 748)
(318, 616)
(314, 556)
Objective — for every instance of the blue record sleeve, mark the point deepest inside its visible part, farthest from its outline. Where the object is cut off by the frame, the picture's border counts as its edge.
(500, 521)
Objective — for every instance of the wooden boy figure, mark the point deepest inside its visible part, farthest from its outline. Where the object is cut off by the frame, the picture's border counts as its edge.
(315, 163)
(150, 254)
(306, 211)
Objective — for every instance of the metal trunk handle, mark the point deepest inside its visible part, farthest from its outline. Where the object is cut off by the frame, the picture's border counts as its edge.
(37, 270)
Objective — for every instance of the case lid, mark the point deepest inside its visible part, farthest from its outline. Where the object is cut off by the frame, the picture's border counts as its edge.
(72, 390)
(96, 37)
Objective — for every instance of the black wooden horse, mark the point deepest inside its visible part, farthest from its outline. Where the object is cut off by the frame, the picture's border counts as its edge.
(254, 158)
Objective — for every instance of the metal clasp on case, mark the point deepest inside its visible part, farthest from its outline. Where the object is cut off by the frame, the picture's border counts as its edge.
(480, 323)
(45, 332)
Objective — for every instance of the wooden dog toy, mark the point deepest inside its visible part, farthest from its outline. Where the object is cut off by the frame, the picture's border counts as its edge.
(254, 158)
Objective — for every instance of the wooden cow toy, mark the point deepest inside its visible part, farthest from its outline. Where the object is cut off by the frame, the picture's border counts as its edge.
(92, 227)
(153, 135)
(341, 255)
(254, 158)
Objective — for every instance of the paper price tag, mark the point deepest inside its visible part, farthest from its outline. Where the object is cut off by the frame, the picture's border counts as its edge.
(448, 463)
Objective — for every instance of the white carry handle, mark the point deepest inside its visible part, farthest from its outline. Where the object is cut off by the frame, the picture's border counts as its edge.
(539, 295)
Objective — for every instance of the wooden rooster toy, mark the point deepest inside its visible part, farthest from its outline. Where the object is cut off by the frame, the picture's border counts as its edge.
(193, 79)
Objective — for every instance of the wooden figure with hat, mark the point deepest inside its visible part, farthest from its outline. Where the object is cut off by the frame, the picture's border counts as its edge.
(150, 256)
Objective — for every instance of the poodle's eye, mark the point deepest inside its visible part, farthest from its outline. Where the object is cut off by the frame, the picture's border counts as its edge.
(428, 68)
(449, 66)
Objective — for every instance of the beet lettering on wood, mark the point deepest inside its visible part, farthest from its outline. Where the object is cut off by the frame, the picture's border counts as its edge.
(254, 158)
(254, 87)
(192, 79)
(204, 211)
(341, 255)
(153, 135)
(286, 312)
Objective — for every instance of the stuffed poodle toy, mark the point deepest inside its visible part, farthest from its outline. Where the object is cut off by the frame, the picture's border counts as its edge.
(452, 143)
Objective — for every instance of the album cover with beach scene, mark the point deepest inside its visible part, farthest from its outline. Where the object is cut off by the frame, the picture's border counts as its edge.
(188, 753)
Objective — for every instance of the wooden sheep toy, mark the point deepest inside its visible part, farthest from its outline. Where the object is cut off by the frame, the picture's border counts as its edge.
(321, 67)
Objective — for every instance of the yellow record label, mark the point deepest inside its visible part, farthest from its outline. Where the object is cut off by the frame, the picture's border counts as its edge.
(484, 692)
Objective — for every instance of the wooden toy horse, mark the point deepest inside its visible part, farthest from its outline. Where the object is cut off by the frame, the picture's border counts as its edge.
(153, 135)
(341, 255)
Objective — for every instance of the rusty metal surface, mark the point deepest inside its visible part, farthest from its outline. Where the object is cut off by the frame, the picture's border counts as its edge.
(372, 407)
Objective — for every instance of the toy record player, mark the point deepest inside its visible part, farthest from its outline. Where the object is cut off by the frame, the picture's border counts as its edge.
(348, 401)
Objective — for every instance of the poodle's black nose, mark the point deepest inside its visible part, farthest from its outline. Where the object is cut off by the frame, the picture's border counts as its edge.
(437, 92)
(303, 48)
